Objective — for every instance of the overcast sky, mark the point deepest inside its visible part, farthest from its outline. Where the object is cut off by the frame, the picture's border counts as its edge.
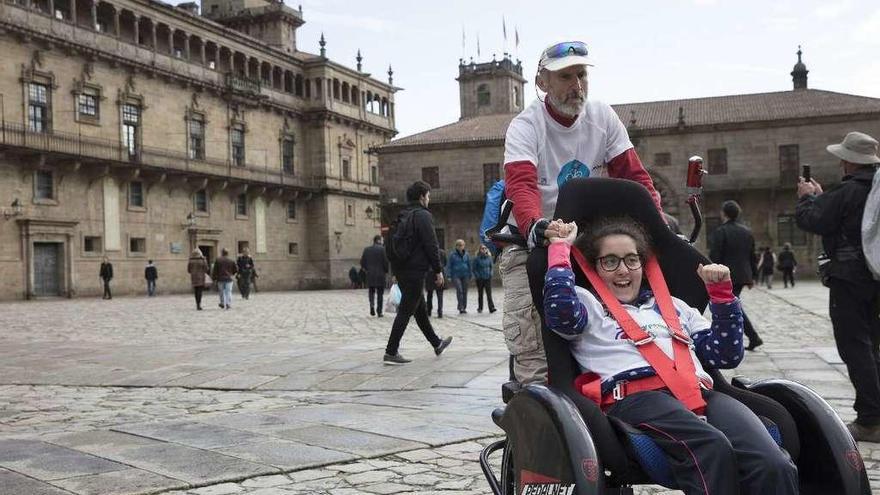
(643, 50)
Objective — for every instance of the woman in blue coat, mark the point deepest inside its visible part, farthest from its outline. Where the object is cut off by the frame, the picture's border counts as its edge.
(482, 268)
(459, 269)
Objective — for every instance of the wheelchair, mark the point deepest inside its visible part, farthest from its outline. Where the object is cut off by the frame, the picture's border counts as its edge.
(559, 442)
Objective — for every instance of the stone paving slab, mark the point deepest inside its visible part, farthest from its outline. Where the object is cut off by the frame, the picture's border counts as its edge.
(125, 482)
(347, 440)
(49, 462)
(18, 484)
(191, 433)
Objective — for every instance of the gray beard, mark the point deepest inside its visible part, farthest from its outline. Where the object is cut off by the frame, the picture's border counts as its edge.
(569, 109)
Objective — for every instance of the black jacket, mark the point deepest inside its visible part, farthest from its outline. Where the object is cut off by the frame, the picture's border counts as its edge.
(373, 260)
(836, 215)
(151, 273)
(732, 244)
(426, 255)
(786, 260)
(106, 271)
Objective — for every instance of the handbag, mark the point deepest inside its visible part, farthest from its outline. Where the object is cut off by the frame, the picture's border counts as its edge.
(208, 280)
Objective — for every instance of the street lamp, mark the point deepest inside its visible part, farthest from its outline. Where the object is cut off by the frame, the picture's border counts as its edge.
(190, 221)
(14, 210)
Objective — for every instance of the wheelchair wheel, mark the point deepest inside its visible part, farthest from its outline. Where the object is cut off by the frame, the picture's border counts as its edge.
(508, 473)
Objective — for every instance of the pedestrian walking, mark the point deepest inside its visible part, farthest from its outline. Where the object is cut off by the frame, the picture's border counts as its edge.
(767, 265)
(459, 269)
(558, 137)
(431, 287)
(223, 272)
(415, 228)
(106, 275)
(151, 274)
(353, 277)
(198, 274)
(733, 245)
(787, 264)
(375, 264)
(482, 269)
(245, 275)
(854, 295)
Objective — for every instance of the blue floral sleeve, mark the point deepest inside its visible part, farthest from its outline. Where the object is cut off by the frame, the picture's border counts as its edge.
(720, 346)
(563, 311)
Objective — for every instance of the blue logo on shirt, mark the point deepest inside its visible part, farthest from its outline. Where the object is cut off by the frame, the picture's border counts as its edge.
(571, 170)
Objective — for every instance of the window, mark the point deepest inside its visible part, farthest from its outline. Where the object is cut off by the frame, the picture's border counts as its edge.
(788, 231)
(237, 139)
(197, 137)
(200, 201)
(131, 116)
(293, 248)
(87, 104)
(346, 168)
(789, 163)
(484, 97)
(287, 155)
(718, 161)
(241, 205)
(431, 175)
(491, 174)
(92, 244)
(44, 187)
(662, 159)
(374, 174)
(242, 245)
(137, 245)
(136, 194)
(38, 107)
(291, 210)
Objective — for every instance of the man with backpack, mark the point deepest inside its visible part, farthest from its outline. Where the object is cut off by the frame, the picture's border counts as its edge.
(413, 250)
(837, 216)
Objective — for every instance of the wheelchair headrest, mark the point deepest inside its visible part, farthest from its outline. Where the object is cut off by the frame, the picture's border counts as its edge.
(586, 200)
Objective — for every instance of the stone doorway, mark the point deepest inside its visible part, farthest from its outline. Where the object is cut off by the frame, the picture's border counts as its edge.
(48, 269)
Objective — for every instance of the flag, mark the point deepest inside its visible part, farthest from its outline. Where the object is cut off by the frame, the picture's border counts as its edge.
(463, 52)
(478, 45)
(504, 28)
(516, 36)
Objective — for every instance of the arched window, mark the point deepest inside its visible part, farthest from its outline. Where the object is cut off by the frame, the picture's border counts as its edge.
(516, 97)
(484, 98)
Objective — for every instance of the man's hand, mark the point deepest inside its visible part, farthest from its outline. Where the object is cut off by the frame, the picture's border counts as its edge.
(713, 273)
(538, 233)
(805, 187)
(438, 280)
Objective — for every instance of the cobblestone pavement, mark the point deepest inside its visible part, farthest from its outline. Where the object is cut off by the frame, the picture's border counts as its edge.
(286, 394)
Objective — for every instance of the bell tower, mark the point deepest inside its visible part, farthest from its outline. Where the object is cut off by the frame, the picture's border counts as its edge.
(489, 88)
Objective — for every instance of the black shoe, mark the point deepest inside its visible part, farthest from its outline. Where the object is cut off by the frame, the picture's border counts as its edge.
(380, 315)
(395, 359)
(862, 433)
(228, 306)
(198, 308)
(754, 344)
(492, 310)
(442, 345)
(221, 306)
(439, 315)
(372, 312)
(480, 310)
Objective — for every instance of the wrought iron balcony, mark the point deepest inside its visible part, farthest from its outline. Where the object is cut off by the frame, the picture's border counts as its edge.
(242, 84)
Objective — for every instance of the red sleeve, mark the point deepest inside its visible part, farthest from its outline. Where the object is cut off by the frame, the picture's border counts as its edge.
(627, 165)
(521, 187)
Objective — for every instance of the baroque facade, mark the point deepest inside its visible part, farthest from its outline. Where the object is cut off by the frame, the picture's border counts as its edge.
(136, 130)
(753, 146)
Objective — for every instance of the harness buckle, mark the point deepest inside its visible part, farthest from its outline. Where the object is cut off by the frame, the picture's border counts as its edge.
(647, 340)
(684, 339)
(618, 391)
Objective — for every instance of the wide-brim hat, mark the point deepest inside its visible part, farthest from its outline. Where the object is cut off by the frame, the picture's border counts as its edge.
(561, 55)
(857, 147)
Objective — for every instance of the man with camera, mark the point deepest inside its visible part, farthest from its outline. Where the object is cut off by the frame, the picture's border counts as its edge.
(836, 215)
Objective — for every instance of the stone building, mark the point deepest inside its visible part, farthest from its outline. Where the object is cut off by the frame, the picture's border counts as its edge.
(136, 130)
(753, 146)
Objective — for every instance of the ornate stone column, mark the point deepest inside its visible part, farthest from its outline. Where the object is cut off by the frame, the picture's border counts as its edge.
(115, 21)
(137, 29)
(73, 11)
(94, 13)
(202, 56)
(186, 46)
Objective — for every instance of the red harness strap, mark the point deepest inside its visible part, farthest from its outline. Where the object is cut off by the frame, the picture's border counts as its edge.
(678, 375)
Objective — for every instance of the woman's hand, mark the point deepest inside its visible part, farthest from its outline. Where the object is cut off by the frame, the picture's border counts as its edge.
(559, 231)
(713, 273)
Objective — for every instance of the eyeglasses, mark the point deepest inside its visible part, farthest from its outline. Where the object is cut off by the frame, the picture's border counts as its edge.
(565, 49)
(611, 262)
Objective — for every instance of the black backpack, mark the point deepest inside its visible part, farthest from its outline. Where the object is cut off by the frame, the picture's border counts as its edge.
(401, 238)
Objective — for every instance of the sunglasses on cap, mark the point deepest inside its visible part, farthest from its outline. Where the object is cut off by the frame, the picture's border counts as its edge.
(565, 49)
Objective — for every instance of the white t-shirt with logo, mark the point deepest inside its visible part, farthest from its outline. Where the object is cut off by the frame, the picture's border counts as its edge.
(604, 349)
(561, 153)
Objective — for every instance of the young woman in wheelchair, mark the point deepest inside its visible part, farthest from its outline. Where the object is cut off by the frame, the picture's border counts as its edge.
(641, 351)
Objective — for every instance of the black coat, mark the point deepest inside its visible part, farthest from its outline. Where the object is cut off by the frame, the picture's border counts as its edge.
(151, 273)
(106, 271)
(426, 254)
(374, 261)
(836, 215)
(733, 245)
(786, 260)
